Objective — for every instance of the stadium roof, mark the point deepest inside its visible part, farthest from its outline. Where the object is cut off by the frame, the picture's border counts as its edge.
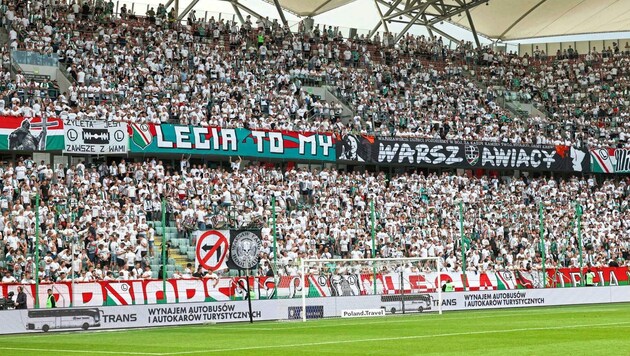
(514, 19)
(504, 20)
(519, 19)
(311, 7)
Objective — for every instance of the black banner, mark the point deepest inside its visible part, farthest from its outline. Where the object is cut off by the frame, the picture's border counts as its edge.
(459, 154)
(245, 246)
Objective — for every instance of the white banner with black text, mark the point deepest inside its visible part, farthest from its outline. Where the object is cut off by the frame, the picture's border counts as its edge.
(95, 137)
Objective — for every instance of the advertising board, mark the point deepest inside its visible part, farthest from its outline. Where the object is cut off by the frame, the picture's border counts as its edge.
(140, 316)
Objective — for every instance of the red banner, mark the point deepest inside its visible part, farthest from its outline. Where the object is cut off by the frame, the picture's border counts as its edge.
(234, 288)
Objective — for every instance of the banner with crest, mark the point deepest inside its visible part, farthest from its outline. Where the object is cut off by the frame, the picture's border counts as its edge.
(363, 149)
(197, 140)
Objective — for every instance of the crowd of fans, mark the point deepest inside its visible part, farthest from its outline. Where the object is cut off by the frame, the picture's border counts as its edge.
(98, 223)
(585, 97)
(221, 73)
(105, 216)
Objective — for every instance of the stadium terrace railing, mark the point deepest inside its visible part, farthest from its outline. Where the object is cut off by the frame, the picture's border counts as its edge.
(35, 59)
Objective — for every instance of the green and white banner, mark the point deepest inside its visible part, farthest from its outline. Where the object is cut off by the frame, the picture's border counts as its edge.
(610, 160)
(180, 139)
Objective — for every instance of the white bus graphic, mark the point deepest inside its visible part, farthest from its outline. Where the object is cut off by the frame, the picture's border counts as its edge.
(410, 302)
(46, 319)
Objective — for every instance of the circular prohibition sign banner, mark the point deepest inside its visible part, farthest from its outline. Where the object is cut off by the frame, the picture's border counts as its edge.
(212, 248)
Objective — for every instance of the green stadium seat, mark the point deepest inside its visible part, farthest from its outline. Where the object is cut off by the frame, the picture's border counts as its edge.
(183, 249)
(191, 255)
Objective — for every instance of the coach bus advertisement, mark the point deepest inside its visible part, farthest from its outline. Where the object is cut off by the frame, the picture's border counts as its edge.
(134, 316)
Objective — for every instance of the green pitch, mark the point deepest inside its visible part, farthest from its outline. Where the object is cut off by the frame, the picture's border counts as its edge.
(576, 330)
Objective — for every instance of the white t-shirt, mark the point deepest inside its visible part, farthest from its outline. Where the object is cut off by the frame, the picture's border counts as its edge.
(130, 257)
(9, 279)
(20, 172)
(227, 197)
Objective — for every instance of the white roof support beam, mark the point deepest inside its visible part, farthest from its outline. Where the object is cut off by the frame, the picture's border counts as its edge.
(246, 9)
(429, 28)
(389, 11)
(405, 11)
(238, 13)
(409, 24)
(380, 14)
(281, 13)
(425, 13)
(187, 10)
(472, 28)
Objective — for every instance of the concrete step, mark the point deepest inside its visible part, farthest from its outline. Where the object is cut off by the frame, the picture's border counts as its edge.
(180, 259)
(4, 36)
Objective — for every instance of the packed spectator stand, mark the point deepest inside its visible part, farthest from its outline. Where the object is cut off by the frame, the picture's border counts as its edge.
(110, 212)
(155, 70)
(217, 73)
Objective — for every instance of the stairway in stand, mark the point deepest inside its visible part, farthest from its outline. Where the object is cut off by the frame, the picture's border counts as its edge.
(180, 251)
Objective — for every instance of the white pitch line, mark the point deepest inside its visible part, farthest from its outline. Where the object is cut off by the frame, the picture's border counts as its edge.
(85, 332)
(393, 338)
(226, 327)
(79, 351)
(107, 331)
(404, 319)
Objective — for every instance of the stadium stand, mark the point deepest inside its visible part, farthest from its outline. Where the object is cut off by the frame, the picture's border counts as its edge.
(111, 213)
(150, 69)
(155, 70)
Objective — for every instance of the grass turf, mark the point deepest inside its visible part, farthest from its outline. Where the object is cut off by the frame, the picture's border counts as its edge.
(574, 330)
